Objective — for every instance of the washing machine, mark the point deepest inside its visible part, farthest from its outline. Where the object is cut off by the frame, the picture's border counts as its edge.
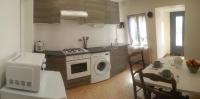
(100, 66)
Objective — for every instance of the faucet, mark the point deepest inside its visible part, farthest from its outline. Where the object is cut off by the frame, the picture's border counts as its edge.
(84, 40)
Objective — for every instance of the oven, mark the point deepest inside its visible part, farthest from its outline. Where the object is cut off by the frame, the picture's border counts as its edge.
(78, 66)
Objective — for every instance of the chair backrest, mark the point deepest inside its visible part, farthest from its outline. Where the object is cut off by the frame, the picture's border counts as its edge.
(156, 90)
(136, 63)
(136, 58)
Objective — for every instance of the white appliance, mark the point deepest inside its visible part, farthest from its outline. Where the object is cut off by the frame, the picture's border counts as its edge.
(75, 51)
(39, 46)
(52, 87)
(77, 63)
(100, 67)
(24, 71)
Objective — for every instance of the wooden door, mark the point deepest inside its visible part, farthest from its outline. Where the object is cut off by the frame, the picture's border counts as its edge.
(177, 33)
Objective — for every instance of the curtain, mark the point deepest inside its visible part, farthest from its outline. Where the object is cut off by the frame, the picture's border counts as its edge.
(137, 30)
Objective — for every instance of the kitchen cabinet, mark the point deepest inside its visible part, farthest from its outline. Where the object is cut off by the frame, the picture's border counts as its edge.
(78, 82)
(102, 11)
(112, 13)
(77, 5)
(96, 11)
(56, 62)
(99, 11)
(118, 58)
(45, 11)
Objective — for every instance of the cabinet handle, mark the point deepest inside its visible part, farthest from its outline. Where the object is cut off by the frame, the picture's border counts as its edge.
(107, 54)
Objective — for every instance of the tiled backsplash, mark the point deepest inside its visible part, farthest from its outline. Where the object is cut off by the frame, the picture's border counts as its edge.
(66, 34)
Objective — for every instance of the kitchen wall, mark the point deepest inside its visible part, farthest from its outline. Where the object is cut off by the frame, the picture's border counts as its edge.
(9, 32)
(27, 35)
(66, 34)
(192, 31)
(143, 6)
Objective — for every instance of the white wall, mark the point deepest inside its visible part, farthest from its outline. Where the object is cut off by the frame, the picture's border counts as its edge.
(66, 34)
(9, 31)
(192, 29)
(122, 13)
(162, 32)
(27, 37)
(143, 6)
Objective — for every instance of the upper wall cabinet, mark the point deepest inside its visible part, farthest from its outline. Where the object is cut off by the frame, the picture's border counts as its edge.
(45, 11)
(112, 13)
(99, 11)
(96, 11)
(71, 4)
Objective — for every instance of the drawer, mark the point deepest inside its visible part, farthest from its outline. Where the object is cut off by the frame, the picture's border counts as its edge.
(55, 65)
(56, 60)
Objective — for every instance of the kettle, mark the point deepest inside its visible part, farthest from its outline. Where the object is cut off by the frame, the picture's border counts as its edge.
(39, 46)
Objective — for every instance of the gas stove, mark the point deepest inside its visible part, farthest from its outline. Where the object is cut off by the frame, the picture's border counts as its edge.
(77, 63)
(73, 51)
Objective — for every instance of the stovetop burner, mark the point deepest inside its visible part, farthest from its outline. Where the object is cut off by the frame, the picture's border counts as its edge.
(75, 51)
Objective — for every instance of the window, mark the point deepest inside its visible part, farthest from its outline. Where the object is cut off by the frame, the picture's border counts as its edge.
(179, 30)
(137, 30)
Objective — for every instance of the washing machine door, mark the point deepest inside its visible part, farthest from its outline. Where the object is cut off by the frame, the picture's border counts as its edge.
(102, 67)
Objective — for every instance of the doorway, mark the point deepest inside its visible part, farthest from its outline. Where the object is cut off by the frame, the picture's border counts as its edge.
(177, 33)
(169, 35)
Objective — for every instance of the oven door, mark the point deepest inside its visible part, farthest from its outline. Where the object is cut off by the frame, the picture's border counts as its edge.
(78, 68)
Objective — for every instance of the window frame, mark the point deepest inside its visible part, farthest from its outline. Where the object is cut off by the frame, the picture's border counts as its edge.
(138, 34)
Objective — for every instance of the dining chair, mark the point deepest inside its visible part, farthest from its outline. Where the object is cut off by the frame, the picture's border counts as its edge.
(136, 63)
(159, 92)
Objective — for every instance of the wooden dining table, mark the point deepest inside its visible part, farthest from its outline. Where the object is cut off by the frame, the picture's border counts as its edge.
(186, 81)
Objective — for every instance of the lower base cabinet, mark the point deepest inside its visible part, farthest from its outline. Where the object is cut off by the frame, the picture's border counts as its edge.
(119, 59)
(78, 82)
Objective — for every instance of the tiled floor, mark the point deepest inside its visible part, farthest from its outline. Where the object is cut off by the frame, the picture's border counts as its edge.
(118, 87)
